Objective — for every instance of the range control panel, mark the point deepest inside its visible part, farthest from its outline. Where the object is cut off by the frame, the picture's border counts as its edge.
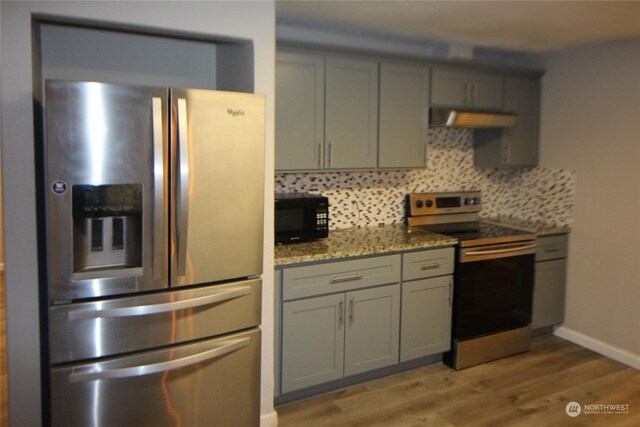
(443, 203)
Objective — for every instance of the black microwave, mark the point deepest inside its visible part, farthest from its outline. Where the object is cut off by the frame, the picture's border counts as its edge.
(300, 217)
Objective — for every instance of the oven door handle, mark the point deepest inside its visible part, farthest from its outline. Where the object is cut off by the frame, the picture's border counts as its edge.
(502, 251)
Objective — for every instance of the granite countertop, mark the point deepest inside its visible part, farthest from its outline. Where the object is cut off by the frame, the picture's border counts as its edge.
(540, 228)
(360, 241)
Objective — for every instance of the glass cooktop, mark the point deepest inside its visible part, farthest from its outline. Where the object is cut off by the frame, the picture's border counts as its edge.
(480, 233)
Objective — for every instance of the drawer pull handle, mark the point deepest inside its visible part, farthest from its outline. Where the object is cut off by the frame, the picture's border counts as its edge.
(431, 266)
(342, 279)
(550, 250)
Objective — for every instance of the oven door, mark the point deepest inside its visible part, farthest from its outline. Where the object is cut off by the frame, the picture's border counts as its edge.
(493, 289)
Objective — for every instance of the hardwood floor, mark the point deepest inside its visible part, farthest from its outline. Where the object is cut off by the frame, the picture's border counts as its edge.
(531, 389)
(4, 406)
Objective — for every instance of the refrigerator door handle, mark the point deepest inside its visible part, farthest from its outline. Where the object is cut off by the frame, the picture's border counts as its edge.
(183, 186)
(101, 371)
(143, 310)
(158, 184)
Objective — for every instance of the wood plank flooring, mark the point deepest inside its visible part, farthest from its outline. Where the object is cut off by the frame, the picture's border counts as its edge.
(530, 389)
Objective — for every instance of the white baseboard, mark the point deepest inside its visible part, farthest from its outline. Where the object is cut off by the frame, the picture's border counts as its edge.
(618, 354)
(269, 419)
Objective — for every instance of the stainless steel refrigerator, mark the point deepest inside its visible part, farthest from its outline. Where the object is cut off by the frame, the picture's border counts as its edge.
(154, 233)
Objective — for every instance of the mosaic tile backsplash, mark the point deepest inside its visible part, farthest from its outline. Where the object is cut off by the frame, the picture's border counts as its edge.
(377, 197)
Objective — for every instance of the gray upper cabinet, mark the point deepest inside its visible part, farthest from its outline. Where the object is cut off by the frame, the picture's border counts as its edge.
(522, 96)
(404, 115)
(299, 115)
(351, 115)
(326, 112)
(517, 146)
(469, 89)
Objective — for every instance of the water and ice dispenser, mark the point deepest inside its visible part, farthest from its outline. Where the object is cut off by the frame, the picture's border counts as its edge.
(107, 227)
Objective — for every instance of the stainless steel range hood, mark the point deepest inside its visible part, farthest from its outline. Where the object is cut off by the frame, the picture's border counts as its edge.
(455, 118)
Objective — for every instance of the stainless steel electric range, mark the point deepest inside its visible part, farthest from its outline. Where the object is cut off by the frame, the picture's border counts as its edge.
(493, 279)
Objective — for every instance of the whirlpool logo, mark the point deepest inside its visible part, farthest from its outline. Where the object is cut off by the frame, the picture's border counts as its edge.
(235, 112)
(573, 409)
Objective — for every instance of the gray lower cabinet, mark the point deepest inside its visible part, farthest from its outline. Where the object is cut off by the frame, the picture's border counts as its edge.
(312, 341)
(426, 317)
(404, 115)
(516, 146)
(343, 318)
(550, 281)
(328, 337)
(372, 334)
(549, 293)
(427, 292)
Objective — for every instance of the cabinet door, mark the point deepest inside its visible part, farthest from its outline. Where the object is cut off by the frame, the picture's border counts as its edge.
(372, 332)
(450, 87)
(312, 341)
(549, 293)
(277, 328)
(516, 146)
(351, 121)
(522, 96)
(404, 116)
(299, 114)
(462, 88)
(487, 91)
(426, 317)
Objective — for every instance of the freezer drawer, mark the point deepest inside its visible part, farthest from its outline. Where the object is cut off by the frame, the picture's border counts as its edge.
(102, 328)
(207, 384)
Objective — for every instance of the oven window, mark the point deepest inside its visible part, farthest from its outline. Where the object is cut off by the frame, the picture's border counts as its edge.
(290, 220)
(492, 295)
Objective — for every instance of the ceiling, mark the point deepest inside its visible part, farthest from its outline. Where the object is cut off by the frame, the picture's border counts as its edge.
(531, 26)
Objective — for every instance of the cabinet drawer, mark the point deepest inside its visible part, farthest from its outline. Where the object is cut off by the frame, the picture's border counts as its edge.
(552, 247)
(301, 282)
(434, 262)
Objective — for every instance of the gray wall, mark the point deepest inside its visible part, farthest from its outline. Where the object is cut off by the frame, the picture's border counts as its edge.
(74, 53)
(591, 123)
(249, 20)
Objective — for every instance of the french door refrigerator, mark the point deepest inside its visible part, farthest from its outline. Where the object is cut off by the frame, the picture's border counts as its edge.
(154, 225)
